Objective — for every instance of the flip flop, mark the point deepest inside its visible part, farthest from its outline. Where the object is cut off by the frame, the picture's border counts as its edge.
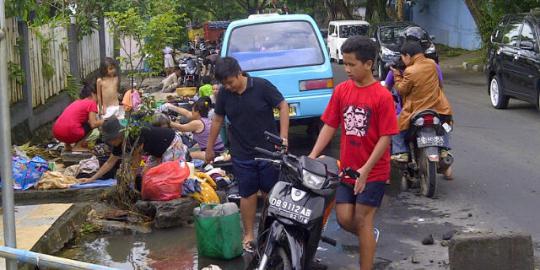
(248, 247)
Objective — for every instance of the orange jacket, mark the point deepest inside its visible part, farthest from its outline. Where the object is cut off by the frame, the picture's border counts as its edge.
(420, 90)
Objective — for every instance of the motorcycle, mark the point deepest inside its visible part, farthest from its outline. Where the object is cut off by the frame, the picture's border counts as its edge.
(425, 139)
(191, 71)
(295, 212)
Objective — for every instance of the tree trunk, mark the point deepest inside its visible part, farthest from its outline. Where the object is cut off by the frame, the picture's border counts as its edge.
(476, 13)
(344, 9)
(400, 9)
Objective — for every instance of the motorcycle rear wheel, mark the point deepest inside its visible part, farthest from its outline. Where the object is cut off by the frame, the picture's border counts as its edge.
(428, 176)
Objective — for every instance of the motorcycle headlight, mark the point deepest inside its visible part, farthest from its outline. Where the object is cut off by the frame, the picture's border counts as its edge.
(312, 181)
(387, 52)
(431, 49)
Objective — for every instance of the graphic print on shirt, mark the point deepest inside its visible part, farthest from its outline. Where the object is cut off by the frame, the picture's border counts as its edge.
(356, 120)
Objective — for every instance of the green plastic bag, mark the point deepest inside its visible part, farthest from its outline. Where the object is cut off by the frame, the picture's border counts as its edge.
(218, 236)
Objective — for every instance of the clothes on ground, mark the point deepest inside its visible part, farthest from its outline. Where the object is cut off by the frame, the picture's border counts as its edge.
(26, 172)
(69, 127)
(250, 115)
(205, 90)
(96, 184)
(202, 137)
(420, 90)
(86, 166)
(365, 114)
(56, 180)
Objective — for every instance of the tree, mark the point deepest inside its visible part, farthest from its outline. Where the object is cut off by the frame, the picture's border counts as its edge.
(488, 13)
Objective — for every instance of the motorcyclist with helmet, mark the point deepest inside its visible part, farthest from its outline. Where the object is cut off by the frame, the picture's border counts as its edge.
(420, 89)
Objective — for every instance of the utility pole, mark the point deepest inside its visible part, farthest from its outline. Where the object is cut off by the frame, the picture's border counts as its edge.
(8, 204)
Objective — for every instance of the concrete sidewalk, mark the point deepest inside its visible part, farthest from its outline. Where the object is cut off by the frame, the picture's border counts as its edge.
(32, 223)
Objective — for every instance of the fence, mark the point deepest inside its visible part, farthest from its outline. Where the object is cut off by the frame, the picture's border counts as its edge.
(49, 59)
(14, 61)
(49, 63)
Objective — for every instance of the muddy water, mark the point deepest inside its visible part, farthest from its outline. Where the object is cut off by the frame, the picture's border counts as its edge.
(161, 250)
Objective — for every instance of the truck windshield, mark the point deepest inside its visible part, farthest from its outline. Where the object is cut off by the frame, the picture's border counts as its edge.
(275, 45)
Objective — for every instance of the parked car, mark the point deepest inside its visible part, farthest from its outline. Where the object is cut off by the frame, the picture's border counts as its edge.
(287, 50)
(339, 31)
(513, 63)
(390, 37)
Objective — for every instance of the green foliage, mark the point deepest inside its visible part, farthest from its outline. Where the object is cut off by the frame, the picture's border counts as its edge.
(89, 228)
(493, 11)
(16, 73)
(73, 87)
(161, 30)
(46, 68)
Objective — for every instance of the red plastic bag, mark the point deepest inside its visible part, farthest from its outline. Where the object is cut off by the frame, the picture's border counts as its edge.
(164, 182)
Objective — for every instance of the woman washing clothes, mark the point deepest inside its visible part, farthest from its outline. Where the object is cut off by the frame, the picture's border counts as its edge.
(160, 144)
(200, 124)
(78, 120)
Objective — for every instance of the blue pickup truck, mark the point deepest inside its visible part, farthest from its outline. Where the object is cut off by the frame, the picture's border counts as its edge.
(289, 51)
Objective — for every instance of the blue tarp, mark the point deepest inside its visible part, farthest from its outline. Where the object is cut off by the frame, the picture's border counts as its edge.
(96, 184)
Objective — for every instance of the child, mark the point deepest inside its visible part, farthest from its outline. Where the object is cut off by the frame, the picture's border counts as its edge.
(364, 110)
(206, 89)
(172, 81)
(78, 119)
(132, 99)
(107, 87)
(199, 125)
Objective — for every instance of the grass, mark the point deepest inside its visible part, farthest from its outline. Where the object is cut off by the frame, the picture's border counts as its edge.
(477, 61)
(446, 52)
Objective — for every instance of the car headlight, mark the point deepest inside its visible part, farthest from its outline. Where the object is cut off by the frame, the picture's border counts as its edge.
(312, 181)
(431, 49)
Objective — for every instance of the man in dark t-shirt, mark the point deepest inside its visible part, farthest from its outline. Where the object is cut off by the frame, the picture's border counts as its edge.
(248, 103)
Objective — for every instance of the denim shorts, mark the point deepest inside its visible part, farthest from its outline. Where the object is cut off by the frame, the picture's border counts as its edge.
(254, 175)
(371, 196)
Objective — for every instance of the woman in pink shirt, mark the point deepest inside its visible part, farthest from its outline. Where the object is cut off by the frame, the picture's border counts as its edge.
(78, 119)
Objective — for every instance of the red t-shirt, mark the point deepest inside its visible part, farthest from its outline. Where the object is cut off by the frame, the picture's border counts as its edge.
(365, 115)
(68, 127)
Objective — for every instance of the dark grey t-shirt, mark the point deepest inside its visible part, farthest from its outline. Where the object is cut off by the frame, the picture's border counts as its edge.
(250, 115)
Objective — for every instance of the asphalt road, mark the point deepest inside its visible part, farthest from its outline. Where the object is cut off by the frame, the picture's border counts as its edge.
(496, 185)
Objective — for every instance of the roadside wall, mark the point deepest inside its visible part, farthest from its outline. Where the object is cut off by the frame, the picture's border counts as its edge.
(450, 21)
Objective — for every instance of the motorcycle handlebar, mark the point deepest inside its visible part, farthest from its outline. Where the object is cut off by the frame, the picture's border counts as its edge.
(268, 153)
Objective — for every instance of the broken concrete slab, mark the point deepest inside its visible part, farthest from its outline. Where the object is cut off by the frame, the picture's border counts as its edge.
(494, 251)
(169, 214)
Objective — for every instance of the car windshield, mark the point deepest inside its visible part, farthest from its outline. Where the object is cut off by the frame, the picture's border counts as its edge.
(346, 31)
(275, 45)
(395, 35)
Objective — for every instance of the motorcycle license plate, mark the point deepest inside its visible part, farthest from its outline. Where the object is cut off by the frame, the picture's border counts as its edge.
(292, 111)
(290, 210)
(430, 141)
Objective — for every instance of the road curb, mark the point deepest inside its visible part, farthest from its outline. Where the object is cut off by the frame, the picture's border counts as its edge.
(466, 66)
(474, 251)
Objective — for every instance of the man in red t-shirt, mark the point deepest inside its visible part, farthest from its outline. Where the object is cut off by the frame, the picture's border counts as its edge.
(365, 111)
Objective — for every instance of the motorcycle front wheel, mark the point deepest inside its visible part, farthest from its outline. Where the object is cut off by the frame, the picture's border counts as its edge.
(428, 176)
(280, 260)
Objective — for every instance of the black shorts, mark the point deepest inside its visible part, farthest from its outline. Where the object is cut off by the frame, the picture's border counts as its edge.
(87, 129)
(254, 175)
(371, 196)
